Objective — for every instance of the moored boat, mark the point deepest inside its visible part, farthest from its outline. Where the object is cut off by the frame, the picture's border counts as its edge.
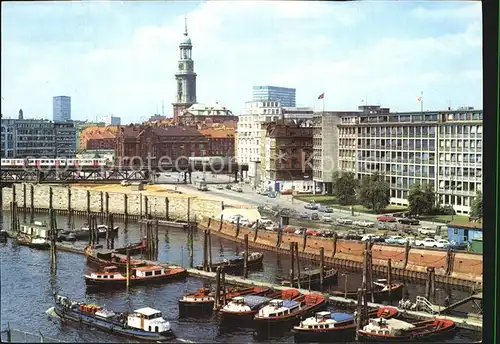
(243, 307)
(143, 324)
(236, 264)
(3, 236)
(84, 231)
(395, 330)
(312, 278)
(202, 301)
(36, 243)
(287, 311)
(335, 327)
(133, 248)
(381, 292)
(100, 258)
(138, 275)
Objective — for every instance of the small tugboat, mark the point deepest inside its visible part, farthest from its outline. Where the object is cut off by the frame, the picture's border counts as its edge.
(284, 312)
(202, 301)
(381, 292)
(36, 243)
(236, 264)
(3, 236)
(143, 324)
(100, 258)
(138, 275)
(311, 278)
(245, 307)
(394, 330)
(335, 327)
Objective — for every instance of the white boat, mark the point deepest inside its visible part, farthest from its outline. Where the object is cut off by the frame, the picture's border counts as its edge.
(278, 308)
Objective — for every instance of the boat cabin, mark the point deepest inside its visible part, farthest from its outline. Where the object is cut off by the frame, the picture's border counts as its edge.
(387, 327)
(323, 316)
(149, 271)
(327, 320)
(36, 229)
(277, 308)
(238, 300)
(107, 275)
(149, 320)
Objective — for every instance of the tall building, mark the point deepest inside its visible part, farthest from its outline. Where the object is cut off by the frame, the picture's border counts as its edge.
(22, 138)
(61, 108)
(185, 77)
(440, 148)
(284, 95)
(111, 120)
(288, 146)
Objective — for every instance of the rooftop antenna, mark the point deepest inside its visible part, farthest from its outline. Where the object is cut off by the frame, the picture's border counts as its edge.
(163, 108)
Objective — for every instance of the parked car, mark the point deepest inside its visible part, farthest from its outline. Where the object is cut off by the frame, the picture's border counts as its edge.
(398, 240)
(351, 236)
(324, 209)
(426, 231)
(326, 218)
(299, 231)
(459, 246)
(363, 223)
(289, 229)
(327, 234)
(311, 206)
(238, 189)
(328, 210)
(431, 242)
(313, 232)
(265, 221)
(219, 187)
(372, 237)
(229, 187)
(125, 183)
(408, 221)
(314, 216)
(263, 192)
(386, 218)
(304, 216)
(273, 227)
(272, 194)
(344, 221)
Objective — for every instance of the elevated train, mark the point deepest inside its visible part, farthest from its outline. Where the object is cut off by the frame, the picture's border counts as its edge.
(54, 162)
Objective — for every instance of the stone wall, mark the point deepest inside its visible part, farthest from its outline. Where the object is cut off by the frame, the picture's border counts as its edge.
(464, 265)
(63, 197)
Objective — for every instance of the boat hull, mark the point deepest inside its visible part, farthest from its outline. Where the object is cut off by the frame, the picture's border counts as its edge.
(110, 327)
(93, 283)
(236, 267)
(44, 246)
(341, 334)
(190, 308)
(413, 336)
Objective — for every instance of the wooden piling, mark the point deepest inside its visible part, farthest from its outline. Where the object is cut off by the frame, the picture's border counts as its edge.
(106, 203)
(433, 284)
(166, 209)
(88, 201)
(389, 277)
(292, 263)
(69, 202)
(370, 274)
(188, 216)
(321, 266)
(146, 206)
(224, 291)
(209, 248)
(238, 227)
(53, 240)
(256, 230)
(51, 193)
(128, 268)
(101, 205)
(157, 239)
(428, 284)
(359, 313)
(245, 262)
(335, 238)
(125, 207)
(24, 201)
(217, 289)
(96, 235)
(89, 223)
(205, 251)
(297, 263)
(107, 231)
(32, 202)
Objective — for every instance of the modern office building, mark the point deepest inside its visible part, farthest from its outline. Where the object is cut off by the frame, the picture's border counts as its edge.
(440, 148)
(61, 108)
(111, 120)
(284, 95)
(21, 138)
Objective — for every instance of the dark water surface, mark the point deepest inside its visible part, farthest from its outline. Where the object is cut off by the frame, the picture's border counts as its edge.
(26, 288)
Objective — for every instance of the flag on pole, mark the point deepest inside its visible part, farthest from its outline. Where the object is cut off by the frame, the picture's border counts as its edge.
(322, 96)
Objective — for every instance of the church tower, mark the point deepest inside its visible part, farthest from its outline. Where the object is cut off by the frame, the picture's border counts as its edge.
(185, 77)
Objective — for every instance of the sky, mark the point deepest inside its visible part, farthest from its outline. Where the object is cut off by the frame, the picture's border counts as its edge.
(120, 58)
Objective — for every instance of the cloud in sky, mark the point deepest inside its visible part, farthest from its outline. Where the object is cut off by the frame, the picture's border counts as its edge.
(121, 57)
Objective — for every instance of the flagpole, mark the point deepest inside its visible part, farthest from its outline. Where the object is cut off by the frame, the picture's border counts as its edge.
(323, 99)
(421, 102)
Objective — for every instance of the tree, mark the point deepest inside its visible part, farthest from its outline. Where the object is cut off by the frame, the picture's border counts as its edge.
(477, 206)
(430, 198)
(421, 201)
(344, 187)
(374, 192)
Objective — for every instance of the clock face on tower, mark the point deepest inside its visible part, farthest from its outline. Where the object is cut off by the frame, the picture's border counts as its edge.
(181, 66)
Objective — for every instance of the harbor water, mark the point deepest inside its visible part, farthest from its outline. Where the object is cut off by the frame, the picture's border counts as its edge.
(27, 287)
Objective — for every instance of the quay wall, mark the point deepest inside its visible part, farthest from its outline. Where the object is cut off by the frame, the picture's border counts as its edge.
(456, 268)
(62, 197)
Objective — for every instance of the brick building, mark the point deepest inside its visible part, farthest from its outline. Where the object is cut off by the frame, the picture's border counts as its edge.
(161, 144)
(287, 149)
(220, 141)
(98, 138)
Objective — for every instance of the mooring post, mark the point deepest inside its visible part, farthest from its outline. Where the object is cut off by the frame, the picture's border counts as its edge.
(224, 293)
(107, 231)
(237, 226)
(256, 230)
(292, 263)
(370, 273)
(449, 261)
(166, 209)
(304, 240)
(428, 284)
(156, 239)
(69, 201)
(101, 204)
(188, 210)
(106, 203)
(190, 246)
(14, 194)
(125, 207)
(88, 201)
(32, 202)
(297, 263)
(245, 263)
(146, 206)
(89, 223)
(217, 289)
(407, 253)
(209, 247)
(96, 230)
(128, 268)
(112, 225)
(335, 238)
(433, 283)
(50, 197)
(205, 249)
(321, 266)
(359, 313)
(53, 240)
(389, 278)
(25, 206)
(221, 222)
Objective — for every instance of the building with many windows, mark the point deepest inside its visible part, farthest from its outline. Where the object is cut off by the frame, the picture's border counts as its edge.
(22, 138)
(284, 95)
(61, 108)
(440, 148)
